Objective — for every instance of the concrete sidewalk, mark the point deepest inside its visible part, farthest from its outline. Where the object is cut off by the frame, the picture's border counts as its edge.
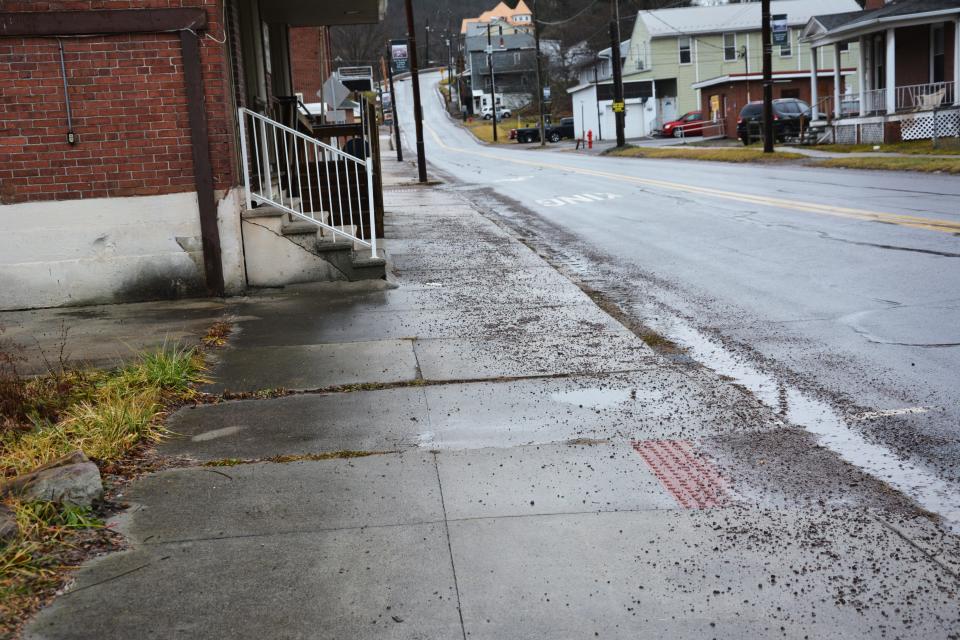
(535, 470)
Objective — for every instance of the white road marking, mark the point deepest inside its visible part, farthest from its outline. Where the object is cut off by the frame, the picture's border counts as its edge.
(580, 198)
(872, 415)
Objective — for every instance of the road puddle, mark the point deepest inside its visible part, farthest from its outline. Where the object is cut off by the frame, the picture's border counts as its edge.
(821, 419)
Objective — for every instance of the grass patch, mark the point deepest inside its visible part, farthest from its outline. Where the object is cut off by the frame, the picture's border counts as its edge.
(31, 565)
(217, 334)
(908, 147)
(483, 130)
(103, 413)
(738, 155)
(925, 165)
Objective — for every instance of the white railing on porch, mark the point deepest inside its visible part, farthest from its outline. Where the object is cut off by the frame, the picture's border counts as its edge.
(925, 97)
(875, 101)
(308, 179)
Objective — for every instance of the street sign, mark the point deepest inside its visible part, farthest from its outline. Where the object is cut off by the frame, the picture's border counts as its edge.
(781, 32)
(399, 56)
(618, 107)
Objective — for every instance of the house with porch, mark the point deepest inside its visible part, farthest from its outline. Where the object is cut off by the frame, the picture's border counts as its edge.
(908, 73)
(710, 58)
(155, 150)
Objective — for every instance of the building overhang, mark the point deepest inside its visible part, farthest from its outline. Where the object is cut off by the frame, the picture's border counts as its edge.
(758, 77)
(317, 13)
(816, 35)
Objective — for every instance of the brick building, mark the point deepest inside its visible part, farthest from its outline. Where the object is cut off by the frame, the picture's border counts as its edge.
(120, 173)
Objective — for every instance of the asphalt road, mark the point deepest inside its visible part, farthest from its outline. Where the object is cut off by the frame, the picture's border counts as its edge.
(833, 295)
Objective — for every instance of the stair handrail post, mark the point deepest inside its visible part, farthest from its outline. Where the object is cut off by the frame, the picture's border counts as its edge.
(244, 158)
(373, 217)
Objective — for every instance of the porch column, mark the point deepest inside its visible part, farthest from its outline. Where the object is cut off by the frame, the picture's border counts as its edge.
(814, 98)
(956, 62)
(837, 111)
(891, 70)
(861, 75)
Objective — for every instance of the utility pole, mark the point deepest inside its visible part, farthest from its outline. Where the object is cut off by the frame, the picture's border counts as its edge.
(767, 77)
(493, 82)
(540, 101)
(426, 52)
(417, 108)
(596, 92)
(393, 106)
(619, 107)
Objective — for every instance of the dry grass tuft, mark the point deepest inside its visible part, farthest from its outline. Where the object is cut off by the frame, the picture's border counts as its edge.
(704, 153)
(924, 165)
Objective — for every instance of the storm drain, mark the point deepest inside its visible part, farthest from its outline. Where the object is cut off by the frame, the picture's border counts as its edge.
(691, 480)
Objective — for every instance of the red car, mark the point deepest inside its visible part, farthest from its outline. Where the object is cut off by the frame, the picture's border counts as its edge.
(689, 124)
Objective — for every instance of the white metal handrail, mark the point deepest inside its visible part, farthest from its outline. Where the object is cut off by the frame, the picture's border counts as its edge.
(925, 97)
(292, 171)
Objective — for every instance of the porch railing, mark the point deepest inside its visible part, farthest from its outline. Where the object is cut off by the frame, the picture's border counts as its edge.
(308, 179)
(925, 97)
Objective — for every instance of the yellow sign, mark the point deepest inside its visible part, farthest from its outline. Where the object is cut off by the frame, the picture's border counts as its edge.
(618, 107)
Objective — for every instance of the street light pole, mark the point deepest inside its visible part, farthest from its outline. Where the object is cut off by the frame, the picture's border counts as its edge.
(767, 77)
(417, 107)
(540, 100)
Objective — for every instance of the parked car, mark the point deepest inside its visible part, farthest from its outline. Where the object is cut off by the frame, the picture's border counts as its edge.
(502, 112)
(554, 133)
(689, 124)
(790, 117)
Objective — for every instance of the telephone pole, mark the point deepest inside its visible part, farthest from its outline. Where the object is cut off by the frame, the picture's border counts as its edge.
(618, 110)
(540, 101)
(417, 108)
(393, 106)
(767, 77)
(493, 83)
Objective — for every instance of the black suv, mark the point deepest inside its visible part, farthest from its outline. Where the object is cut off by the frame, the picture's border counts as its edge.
(790, 116)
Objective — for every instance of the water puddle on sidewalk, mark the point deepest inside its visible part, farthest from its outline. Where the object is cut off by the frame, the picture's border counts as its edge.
(821, 419)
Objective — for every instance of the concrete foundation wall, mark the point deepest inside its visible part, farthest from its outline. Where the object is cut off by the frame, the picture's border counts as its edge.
(104, 250)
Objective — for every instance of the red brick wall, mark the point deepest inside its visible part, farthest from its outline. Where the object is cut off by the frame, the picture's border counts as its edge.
(305, 60)
(129, 108)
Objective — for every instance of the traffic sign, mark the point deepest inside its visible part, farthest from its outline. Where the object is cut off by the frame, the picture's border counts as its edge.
(619, 107)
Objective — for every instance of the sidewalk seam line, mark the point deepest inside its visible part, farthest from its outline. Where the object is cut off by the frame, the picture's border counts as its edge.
(926, 554)
(453, 565)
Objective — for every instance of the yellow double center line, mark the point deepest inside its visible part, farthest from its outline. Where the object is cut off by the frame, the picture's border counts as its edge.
(916, 222)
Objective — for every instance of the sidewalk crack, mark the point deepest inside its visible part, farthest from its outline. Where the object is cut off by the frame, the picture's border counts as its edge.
(453, 566)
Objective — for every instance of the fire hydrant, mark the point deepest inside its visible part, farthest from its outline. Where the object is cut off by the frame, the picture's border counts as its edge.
(590, 139)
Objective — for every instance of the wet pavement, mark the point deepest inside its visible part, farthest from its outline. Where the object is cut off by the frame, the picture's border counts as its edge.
(829, 294)
(530, 468)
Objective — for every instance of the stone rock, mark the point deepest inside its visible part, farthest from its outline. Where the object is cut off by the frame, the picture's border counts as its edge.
(8, 524)
(74, 484)
(15, 486)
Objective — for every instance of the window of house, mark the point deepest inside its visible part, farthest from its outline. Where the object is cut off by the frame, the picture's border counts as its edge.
(786, 49)
(844, 47)
(686, 54)
(729, 47)
(516, 58)
(937, 54)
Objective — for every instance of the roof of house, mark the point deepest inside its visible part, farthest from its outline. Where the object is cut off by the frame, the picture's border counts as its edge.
(736, 17)
(501, 12)
(823, 25)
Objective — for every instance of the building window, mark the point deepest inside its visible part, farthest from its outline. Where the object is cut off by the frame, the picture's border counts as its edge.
(786, 49)
(844, 47)
(684, 44)
(516, 58)
(729, 47)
